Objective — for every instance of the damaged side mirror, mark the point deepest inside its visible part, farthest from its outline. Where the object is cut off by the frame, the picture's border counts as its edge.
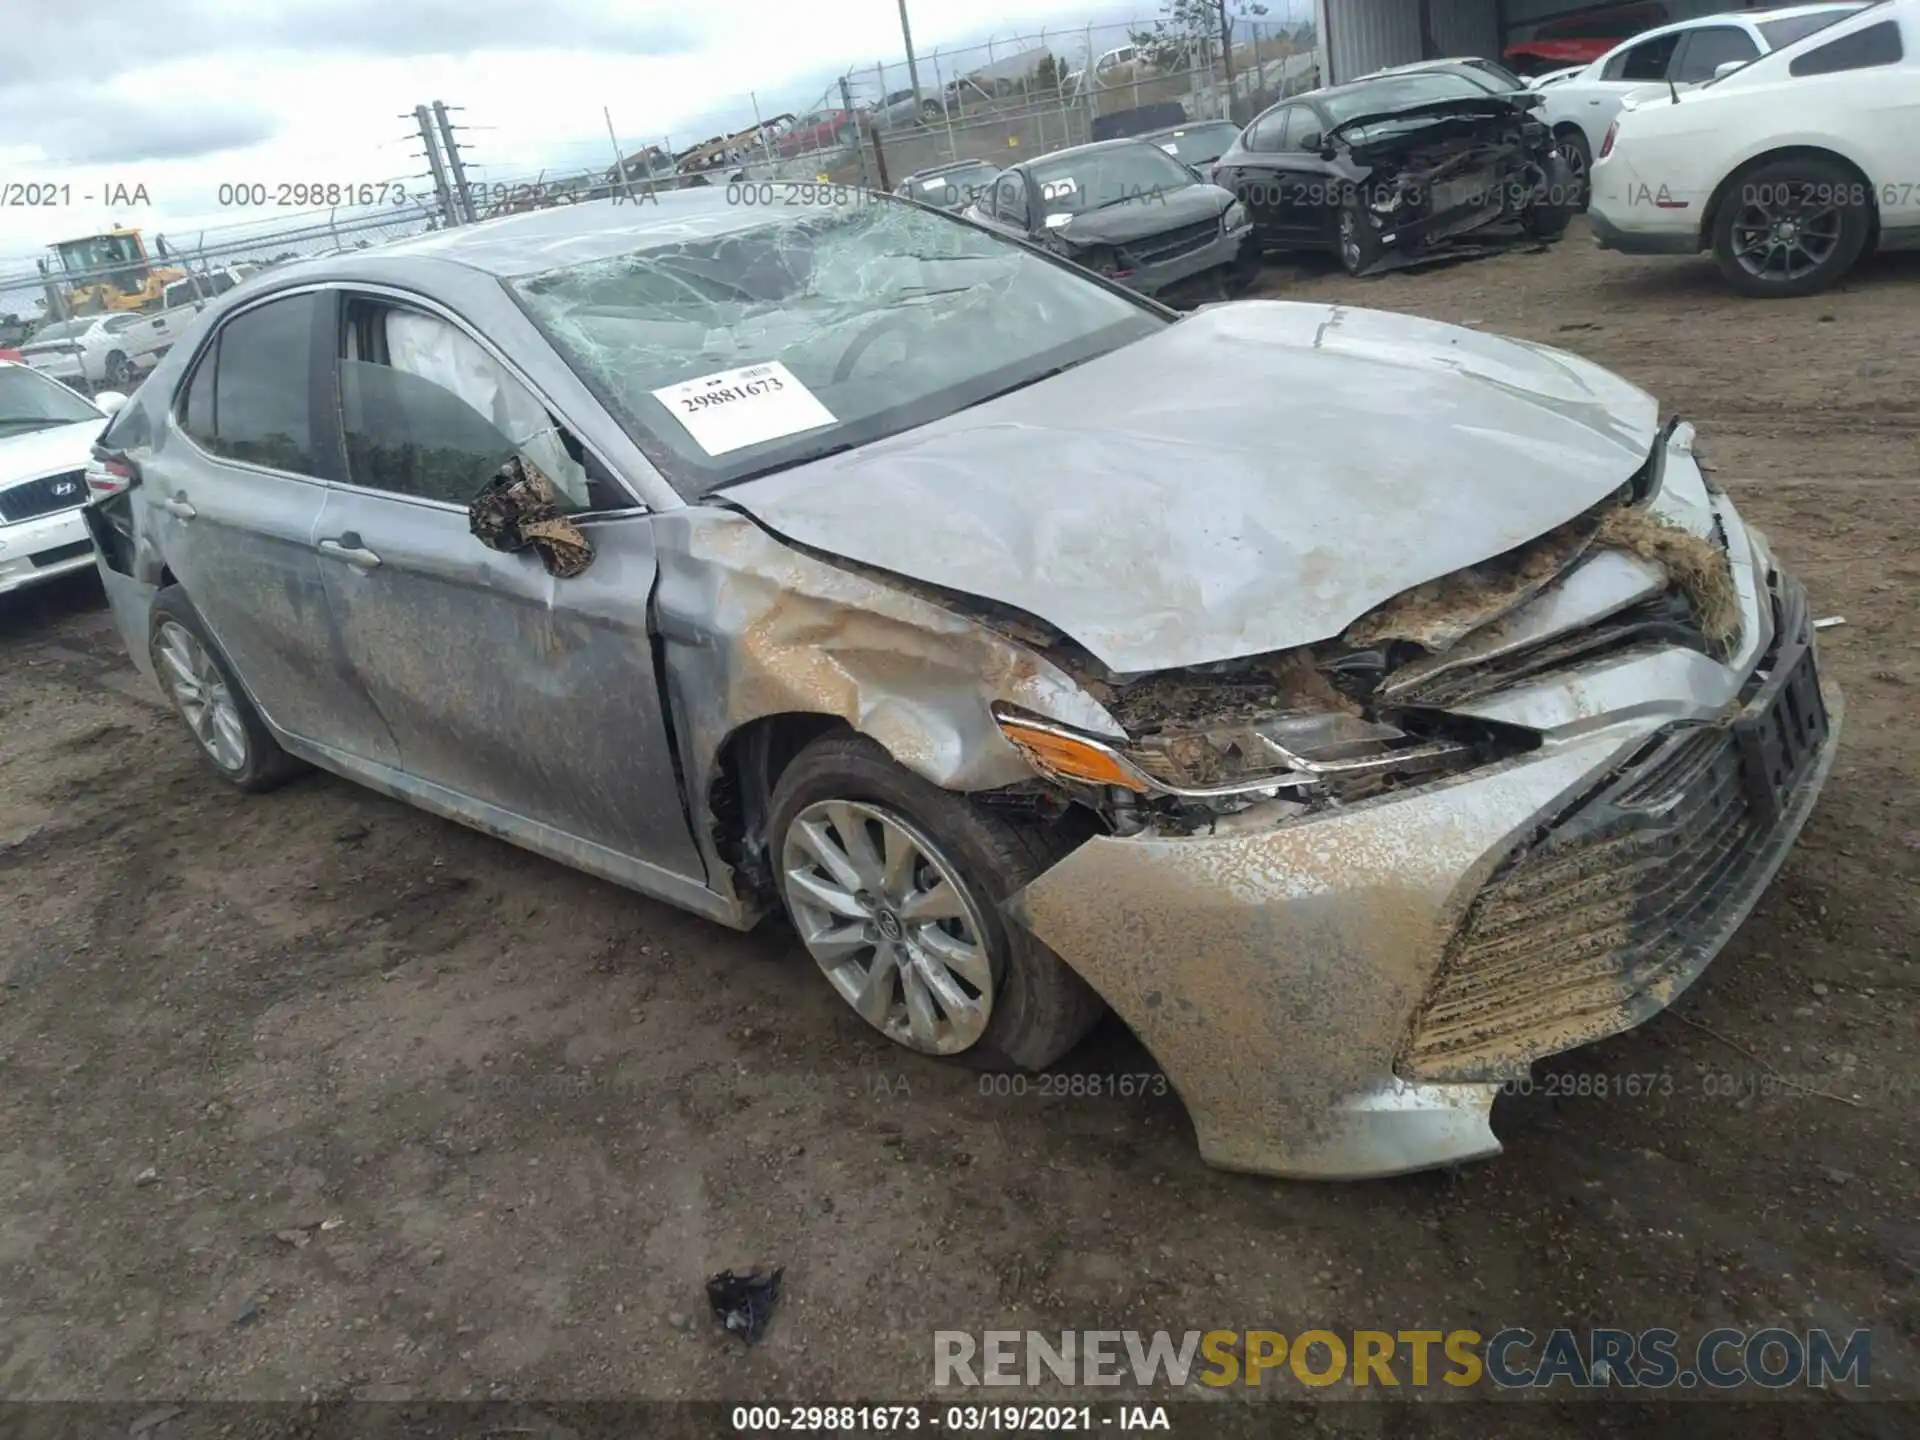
(519, 509)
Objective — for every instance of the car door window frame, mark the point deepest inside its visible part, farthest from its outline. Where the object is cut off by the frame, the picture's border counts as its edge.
(1616, 68)
(1281, 117)
(1680, 67)
(328, 456)
(1316, 126)
(1023, 216)
(392, 296)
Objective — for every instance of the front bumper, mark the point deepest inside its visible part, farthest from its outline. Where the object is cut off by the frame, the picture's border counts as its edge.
(42, 548)
(1343, 996)
(1172, 278)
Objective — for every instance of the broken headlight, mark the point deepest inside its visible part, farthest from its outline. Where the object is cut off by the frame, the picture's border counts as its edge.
(1233, 217)
(1320, 755)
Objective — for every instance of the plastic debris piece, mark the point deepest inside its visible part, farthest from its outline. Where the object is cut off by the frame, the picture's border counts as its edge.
(743, 1303)
(1829, 622)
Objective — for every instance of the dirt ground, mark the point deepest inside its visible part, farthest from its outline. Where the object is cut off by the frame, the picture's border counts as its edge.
(313, 1094)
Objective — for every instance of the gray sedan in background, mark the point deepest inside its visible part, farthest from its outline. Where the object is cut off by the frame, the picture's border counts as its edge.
(1358, 745)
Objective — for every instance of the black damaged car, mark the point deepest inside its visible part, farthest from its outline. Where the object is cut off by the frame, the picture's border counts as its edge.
(1129, 211)
(1400, 169)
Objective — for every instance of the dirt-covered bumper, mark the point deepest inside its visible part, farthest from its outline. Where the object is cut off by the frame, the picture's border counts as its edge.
(1343, 996)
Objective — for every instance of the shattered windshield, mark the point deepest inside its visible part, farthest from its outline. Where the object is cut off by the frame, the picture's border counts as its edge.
(1402, 92)
(809, 329)
(1087, 180)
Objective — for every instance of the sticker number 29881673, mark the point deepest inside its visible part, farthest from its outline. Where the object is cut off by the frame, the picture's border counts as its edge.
(733, 409)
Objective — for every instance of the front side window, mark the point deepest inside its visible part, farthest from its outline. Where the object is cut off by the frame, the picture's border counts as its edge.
(1710, 48)
(1862, 50)
(1645, 62)
(1269, 132)
(250, 397)
(783, 334)
(429, 413)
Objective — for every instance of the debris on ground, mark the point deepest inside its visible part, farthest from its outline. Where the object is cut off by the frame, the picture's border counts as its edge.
(1828, 622)
(249, 1313)
(148, 1176)
(743, 1303)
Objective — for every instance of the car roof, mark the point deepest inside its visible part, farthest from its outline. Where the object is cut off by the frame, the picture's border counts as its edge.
(1180, 129)
(514, 246)
(1750, 17)
(1119, 142)
(953, 165)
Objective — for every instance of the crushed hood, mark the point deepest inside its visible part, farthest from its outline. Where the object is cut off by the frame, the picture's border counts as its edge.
(1252, 478)
(1146, 215)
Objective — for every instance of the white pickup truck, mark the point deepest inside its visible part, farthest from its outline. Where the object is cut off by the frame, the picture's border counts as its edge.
(153, 332)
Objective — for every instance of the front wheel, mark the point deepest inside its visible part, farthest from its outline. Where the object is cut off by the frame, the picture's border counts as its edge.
(894, 887)
(1356, 240)
(1791, 228)
(1578, 154)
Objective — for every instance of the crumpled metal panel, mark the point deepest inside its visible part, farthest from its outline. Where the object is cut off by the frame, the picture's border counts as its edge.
(753, 628)
(1274, 975)
(1280, 469)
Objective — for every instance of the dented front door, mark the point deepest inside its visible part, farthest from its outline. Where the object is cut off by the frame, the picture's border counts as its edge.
(504, 684)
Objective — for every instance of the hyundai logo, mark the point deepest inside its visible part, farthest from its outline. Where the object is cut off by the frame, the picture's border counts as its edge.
(65, 487)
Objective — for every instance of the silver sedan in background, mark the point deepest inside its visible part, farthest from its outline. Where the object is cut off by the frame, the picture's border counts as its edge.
(1359, 743)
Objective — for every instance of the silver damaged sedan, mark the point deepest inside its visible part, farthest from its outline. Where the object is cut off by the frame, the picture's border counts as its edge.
(1361, 707)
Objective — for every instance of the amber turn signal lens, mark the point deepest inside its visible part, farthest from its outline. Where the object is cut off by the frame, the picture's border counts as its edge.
(1072, 758)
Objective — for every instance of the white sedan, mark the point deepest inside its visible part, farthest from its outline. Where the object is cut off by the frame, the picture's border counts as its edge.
(1581, 103)
(1789, 169)
(46, 443)
(91, 350)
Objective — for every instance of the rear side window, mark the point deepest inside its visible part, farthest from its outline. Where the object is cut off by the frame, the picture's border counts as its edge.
(250, 397)
(1645, 61)
(1862, 50)
(1269, 132)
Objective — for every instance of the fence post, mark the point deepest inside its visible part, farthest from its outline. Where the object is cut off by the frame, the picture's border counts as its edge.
(953, 152)
(859, 150)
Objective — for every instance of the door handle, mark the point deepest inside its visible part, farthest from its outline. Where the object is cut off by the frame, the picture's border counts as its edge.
(349, 549)
(178, 507)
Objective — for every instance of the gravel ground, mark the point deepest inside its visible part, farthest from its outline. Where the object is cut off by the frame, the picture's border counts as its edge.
(313, 1095)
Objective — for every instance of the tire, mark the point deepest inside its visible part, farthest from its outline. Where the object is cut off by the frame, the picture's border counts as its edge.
(119, 370)
(1797, 192)
(1355, 241)
(1037, 1008)
(1579, 157)
(1547, 219)
(241, 751)
(931, 113)
(847, 135)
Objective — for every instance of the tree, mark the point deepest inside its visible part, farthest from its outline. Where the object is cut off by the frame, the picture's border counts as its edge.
(1048, 74)
(1186, 27)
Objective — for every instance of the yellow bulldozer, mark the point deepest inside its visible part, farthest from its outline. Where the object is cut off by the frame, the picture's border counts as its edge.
(110, 271)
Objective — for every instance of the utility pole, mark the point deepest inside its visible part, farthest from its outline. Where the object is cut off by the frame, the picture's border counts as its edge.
(859, 150)
(424, 119)
(456, 168)
(619, 156)
(913, 65)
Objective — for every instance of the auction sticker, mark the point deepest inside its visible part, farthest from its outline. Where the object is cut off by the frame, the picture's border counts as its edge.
(733, 409)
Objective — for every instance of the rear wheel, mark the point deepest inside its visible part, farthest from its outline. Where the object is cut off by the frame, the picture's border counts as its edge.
(1792, 227)
(119, 370)
(894, 887)
(1547, 218)
(218, 714)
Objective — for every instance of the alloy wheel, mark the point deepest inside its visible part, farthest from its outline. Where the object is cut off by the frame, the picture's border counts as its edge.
(195, 683)
(1349, 240)
(1786, 235)
(886, 918)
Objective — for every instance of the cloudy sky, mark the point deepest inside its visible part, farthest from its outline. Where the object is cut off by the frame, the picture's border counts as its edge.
(182, 96)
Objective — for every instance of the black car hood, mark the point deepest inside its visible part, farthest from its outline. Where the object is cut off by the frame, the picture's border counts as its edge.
(1153, 213)
(1490, 106)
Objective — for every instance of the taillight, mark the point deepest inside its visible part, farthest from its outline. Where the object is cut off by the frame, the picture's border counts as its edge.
(1606, 145)
(110, 473)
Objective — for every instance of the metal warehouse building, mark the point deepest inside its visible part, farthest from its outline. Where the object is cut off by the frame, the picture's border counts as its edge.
(1357, 36)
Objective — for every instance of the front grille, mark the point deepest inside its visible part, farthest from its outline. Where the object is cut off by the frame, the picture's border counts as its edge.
(1153, 249)
(44, 496)
(1603, 916)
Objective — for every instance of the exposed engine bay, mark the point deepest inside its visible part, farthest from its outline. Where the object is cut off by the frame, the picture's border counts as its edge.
(1445, 175)
(1278, 736)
